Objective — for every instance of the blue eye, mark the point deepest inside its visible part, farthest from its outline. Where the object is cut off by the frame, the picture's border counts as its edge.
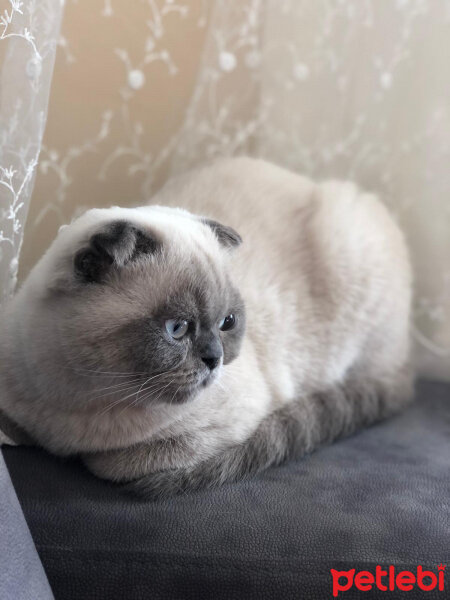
(176, 328)
(227, 323)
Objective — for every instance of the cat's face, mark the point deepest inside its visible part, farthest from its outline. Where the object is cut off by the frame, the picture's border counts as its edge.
(150, 313)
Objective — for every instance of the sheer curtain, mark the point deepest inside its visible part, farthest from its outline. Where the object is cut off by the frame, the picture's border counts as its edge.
(29, 31)
(342, 89)
(353, 89)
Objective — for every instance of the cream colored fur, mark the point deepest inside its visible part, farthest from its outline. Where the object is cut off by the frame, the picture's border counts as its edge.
(325, 277)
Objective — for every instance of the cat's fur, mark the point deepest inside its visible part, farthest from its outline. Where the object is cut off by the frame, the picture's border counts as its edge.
(320, 286)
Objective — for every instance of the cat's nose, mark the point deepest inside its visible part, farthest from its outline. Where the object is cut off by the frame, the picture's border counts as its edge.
(211, 361)
(210, 350)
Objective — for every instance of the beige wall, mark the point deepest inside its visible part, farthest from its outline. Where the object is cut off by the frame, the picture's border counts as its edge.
(124, 73)
(346, 90)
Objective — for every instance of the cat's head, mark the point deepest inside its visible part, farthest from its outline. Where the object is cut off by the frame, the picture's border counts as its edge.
(139, 302)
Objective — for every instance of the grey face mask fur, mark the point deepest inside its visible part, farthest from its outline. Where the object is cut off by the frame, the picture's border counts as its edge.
(171, 353)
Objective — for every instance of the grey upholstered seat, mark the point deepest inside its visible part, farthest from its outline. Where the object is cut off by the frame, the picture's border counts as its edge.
(21, 574)
(380, 497)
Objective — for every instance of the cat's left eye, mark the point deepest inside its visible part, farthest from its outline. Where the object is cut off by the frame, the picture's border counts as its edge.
(227, 323)
(177, 328)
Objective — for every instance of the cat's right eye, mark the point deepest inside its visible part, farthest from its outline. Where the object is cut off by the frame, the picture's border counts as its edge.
(176, 328)
(227, 323)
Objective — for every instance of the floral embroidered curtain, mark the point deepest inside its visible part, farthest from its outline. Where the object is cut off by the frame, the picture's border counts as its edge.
(337, 89)
(29, 31)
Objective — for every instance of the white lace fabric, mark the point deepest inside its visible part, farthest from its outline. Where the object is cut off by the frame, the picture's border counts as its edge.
(28, 34)
(352, 89)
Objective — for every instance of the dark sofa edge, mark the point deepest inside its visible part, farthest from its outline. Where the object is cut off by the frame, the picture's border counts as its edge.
(22, 574)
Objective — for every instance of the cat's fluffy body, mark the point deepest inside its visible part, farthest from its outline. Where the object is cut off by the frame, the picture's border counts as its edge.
(324, 275)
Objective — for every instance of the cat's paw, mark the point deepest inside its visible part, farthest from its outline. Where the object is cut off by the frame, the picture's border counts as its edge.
(164, 484)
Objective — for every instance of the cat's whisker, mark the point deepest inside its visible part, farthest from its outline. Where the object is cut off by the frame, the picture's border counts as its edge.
(153, 386)
(154, 377)
(132, 404)
(158, 391)
(117, 386)
(94, 372)
(156, 384)
(118, 400)
(109, 407)
(125, 386)
(114, 392)
(135, 381)
(155, 394)
(122, 399)
(164, 388)
(175, 393)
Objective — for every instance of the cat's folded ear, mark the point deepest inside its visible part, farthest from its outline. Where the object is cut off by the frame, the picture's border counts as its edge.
(227, 236)
(117, 243)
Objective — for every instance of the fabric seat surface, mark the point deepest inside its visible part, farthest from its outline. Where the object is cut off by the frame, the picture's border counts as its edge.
(379, 497)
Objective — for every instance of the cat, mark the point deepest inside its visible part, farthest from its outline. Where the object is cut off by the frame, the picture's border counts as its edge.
(173, 353)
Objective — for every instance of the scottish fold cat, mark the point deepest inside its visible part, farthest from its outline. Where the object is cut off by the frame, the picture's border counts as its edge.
(245, 317)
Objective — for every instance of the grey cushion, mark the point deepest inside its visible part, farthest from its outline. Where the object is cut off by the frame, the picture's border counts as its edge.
(379, 497)
(21, 574)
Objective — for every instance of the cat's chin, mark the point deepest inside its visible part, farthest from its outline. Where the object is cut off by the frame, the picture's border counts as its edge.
(190, 392)
(185, 395)
(208, 380)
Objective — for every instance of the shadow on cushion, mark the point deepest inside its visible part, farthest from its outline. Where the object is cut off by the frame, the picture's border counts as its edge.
(379, 497)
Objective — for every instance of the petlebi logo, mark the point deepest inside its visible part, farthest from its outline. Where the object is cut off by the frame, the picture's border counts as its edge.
(388, 580)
